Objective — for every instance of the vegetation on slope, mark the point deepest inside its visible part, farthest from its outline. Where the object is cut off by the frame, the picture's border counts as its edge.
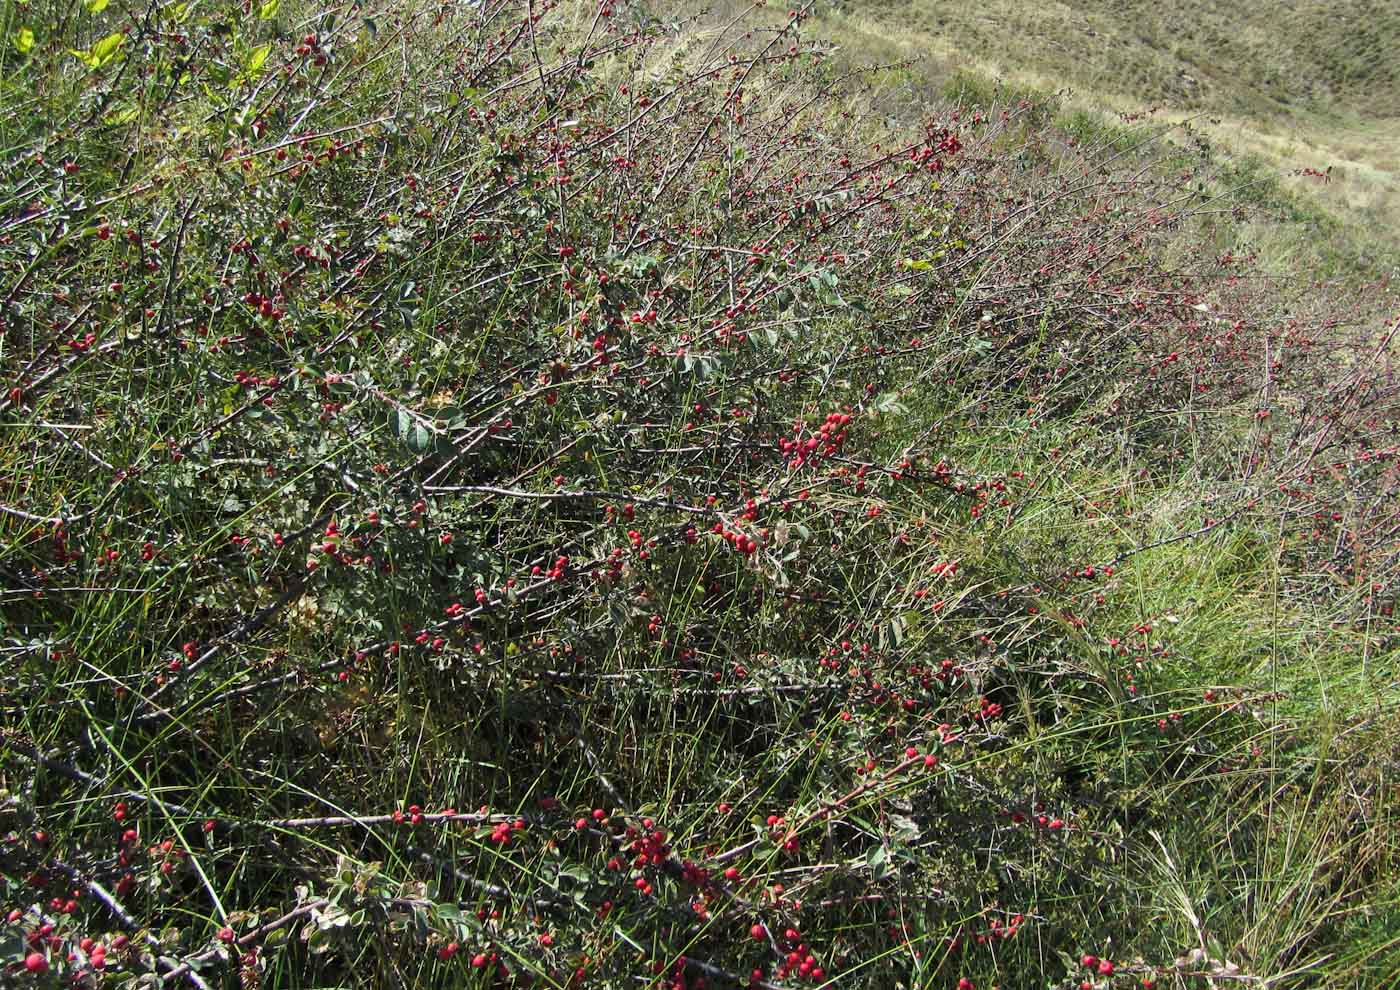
(524, 494)
(1302, 98)
(1257, 60)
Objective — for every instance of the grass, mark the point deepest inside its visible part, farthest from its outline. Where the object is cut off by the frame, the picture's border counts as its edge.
(629, 498)
(1282, 88)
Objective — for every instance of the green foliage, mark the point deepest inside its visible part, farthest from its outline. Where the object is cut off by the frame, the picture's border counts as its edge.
(487, 499)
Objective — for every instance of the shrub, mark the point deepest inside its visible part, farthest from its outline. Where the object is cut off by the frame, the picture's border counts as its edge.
(504, 492)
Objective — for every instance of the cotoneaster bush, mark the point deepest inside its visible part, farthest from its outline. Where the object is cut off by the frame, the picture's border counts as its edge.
(521, 494)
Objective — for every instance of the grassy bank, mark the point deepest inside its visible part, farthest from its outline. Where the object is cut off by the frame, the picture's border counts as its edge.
(1297, 97)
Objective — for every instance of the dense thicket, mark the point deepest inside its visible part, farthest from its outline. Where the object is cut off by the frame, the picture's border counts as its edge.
(528, 493)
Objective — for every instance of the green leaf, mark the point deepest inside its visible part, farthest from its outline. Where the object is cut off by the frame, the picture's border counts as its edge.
(24, 40)
(122, 116)
(106, 49)
(823, 283)
(101, 53)
(576, 872)
(418, 437)
(269, 9)
(96, 6)
(888, 402)
(898, 627)
(905, 829)
(257, 57)
(878, 859)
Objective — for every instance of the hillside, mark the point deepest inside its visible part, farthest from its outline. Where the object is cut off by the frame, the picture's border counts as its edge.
(1306, 93)
(593, 494)
(1251, 60)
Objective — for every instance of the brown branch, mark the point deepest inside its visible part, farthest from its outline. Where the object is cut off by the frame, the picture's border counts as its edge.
(122, 915)
(253, 937)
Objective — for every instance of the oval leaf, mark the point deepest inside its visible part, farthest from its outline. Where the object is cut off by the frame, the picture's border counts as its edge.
(102, 52)
(257, 57)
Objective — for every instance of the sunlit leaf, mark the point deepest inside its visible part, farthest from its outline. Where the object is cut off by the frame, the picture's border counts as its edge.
(257, 57)
(102, 52)
(107, 47)
(123, 116)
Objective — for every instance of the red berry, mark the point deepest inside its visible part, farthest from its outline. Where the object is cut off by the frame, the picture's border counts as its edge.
(1088, 961)
(756, 932)
(36, 963)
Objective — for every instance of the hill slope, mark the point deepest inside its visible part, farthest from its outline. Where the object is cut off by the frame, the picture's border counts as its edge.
(1308, 92)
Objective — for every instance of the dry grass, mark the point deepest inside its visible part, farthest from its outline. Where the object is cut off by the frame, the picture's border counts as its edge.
(1296, 86)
